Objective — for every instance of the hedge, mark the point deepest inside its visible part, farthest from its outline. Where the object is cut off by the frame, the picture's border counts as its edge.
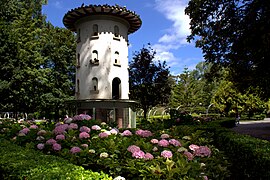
(21, 163)
(249, 156)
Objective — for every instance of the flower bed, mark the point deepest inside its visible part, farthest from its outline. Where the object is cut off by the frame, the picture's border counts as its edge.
(131, 153)
(20, 163)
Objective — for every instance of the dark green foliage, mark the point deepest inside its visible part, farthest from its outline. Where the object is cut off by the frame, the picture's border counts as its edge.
(249, 156)
(192, 90)
(234, 34)
(149, 81)
(37, 60)
(21, 163)
(180, 117)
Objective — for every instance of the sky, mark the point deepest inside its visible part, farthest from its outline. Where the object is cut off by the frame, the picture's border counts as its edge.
(164, 25)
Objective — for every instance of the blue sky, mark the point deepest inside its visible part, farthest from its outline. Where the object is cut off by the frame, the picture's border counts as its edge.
(164, 26)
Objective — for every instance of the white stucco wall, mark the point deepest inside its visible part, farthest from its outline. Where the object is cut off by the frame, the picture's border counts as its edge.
(106, 46)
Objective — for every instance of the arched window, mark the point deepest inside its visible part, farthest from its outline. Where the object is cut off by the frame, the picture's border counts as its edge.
(116, 31)
(95, 30)
(116, 58)
(78, 60)
(94, 59)
(95, 84)
(78, 35)
(78, 86)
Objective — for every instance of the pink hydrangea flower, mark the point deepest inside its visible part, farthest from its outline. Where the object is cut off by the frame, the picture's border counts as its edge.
(205, 178)
(188, 155)
(24, 131)
(50, 141)
(75, 150)
(104, 155)
(138, 154)
(41, 132)
(73, 126)
(193, 147)
(155, 149)
(84, 135)
(148, 156)
(60, 129)
(56, 147)
(96, 127)
(133, 148)
(33, 127)
(85, 129)
(81, 117)
(103, 135)
(165, 136)
(166, 154)
(114, 131)
(126, 133)
(40, 138)
(144, 133)
(40, 146)
(21, 134)
(154, 141)
(174, 142)
(202, 151)
(58, 124)
(163, 143)
(84, 145)
(60, 137)
(68, 120)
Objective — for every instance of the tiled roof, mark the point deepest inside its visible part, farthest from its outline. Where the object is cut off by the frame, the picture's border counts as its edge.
(74, 15)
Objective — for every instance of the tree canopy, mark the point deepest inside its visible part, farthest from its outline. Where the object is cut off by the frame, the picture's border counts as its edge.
(37, 59)
(234, 34)
(149, 79)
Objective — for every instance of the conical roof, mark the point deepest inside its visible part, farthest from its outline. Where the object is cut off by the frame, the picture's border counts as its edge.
(74, 15)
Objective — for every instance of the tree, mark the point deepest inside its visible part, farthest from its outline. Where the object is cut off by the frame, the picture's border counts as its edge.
(21, 61)
(234, 34)
(37, 60)
(58, 70)
(149, 80)
(227, 98)
(192, 90)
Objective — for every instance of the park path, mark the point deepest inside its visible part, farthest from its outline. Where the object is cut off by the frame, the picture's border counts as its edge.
(259, 129)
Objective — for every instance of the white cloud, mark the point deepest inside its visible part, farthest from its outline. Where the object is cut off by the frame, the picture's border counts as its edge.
(58, 4)
(175, 35)
(174, 10)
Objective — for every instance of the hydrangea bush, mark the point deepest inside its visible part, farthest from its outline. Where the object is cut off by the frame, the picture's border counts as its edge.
(130, 153)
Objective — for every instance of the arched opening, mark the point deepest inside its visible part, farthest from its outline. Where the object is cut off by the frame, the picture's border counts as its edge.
(78, 35)
(95, 84)
(116, 88)
(116, 58)
(95, 30)
(78, 86)
(95, 55)
(78, 60)
(116, 31)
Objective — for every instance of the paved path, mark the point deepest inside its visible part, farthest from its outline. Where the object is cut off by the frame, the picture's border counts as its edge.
(259, 129)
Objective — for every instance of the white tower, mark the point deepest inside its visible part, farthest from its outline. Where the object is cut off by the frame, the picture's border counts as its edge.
(102, 56)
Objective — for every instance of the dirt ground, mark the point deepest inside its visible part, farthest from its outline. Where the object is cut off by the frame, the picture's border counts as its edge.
(259, 129)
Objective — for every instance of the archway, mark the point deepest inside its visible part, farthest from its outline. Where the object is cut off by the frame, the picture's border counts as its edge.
(116, 88)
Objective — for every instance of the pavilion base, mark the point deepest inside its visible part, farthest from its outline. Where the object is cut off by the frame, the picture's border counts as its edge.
(121, 111)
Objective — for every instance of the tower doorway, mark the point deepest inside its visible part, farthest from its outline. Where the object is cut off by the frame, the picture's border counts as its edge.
(116, 88)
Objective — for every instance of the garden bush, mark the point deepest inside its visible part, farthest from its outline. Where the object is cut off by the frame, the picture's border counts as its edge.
(21, 163)
(249, 156)
(134, 154)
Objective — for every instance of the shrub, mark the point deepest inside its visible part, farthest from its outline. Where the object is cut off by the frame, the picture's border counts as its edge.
(249, 156)
(21, 163)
